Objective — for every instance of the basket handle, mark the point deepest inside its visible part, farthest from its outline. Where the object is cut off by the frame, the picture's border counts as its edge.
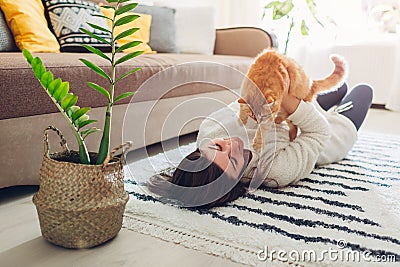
(125, 146)
(63, 142)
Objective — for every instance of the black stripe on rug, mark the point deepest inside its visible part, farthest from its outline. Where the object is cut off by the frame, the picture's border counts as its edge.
(369, 152)
(321, 199)
(314, 239)
(375, 164)
(313, 224)
(363, 167)
(325, 191)
(325, 175)
(345, 186)
(359, 173)
(373, 156)
(319, 211)
(267, 227)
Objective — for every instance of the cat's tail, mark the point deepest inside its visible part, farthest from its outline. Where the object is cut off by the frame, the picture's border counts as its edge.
(334, 80)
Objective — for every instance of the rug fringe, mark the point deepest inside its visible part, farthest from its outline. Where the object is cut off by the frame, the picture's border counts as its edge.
(197, 242)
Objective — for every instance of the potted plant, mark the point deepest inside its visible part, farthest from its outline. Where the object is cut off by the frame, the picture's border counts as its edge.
(286, 10)
(81, 199)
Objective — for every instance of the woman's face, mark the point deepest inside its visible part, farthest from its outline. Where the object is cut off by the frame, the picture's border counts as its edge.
(227, 153)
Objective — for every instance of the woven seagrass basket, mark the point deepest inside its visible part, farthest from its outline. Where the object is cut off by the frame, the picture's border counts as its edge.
(80, 206)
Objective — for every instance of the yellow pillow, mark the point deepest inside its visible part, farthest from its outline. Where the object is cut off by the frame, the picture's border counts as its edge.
(144, 23)
(29, 26)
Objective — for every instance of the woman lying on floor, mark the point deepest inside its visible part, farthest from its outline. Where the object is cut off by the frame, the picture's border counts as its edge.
(222, 167)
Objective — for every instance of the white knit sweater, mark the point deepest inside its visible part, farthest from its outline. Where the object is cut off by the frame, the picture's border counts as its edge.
(324, 137)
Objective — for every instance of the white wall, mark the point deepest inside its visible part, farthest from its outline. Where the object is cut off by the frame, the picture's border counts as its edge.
(228, 12)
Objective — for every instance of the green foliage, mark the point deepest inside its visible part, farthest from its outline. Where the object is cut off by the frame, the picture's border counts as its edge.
(65, 101)
(111, 77)
(280, 9)
(284, 10)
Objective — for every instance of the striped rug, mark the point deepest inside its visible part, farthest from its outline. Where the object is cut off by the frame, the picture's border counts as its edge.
(342, 214)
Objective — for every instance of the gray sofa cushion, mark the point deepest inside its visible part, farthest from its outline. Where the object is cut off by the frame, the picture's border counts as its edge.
(7, 43)
(162, 30)
(17, 101)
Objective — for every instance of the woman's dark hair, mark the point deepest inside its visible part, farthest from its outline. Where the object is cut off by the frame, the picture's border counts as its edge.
(208, 173)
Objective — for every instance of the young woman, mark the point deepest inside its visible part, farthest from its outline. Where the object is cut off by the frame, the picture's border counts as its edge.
(223, 166)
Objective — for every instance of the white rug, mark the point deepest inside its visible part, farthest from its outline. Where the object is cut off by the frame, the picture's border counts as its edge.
(343, 214)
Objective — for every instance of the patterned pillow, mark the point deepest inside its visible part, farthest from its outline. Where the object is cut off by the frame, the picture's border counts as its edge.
(7, 43)
(67, 17)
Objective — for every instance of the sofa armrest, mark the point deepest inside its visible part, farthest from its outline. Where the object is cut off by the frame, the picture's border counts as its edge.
(243, 41)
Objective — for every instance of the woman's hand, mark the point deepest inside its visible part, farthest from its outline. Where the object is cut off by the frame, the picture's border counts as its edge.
(289, 103)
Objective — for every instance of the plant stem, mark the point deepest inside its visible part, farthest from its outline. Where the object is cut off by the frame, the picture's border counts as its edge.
(105, 139)
(83, 152)
(288, 35)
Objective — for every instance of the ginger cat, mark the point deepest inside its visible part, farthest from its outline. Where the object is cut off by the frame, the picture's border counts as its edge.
(273, 74)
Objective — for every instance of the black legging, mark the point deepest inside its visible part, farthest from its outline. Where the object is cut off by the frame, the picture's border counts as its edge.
(360, 96)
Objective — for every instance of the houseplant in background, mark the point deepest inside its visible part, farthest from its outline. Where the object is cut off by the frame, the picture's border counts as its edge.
(81, 199)
(294, 14)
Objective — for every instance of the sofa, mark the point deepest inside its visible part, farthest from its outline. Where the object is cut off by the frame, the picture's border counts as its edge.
(25, 108)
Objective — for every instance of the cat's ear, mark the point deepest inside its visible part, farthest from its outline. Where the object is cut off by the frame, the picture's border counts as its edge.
(241, 101)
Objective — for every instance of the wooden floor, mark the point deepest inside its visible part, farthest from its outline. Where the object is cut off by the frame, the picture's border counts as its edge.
(21, 243)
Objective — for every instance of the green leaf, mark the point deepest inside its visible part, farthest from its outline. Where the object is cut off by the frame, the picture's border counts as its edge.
(95, 68)
(36, 61)
(89, 131)
(104, 41)
(84, 123)
(96, 51)
(101, 16)
(282, 9)
(100, 89)
(27, 55)
(123, 96)
(127, 74)
(68, 101)
(81, 119)
(71, 110)
(54, 85)
(97, 27)
(109, 7)
(123, 1)
(272, 4)
(126, 33)
(263, 15)
(128, 57)
(79, 113)
(125, 8)
(125, 20)
(61, 91)
(312, 6)
(46, 79)
(39, 71)
(38, 67)
(128, 45)
(304, 28)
